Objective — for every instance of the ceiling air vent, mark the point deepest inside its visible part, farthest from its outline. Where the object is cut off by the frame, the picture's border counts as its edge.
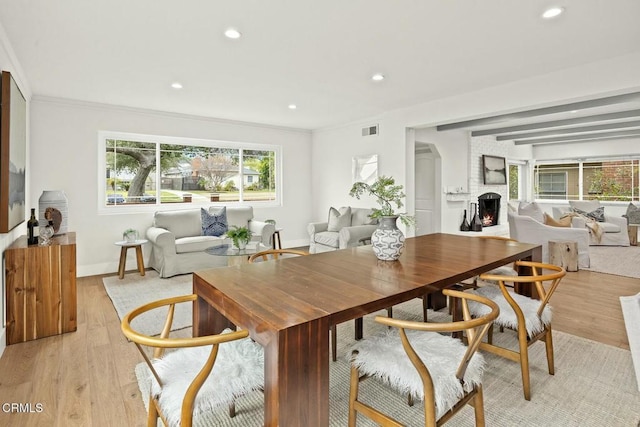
(370, 130)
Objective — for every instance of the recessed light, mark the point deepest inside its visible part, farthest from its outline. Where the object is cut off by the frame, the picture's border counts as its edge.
(232, 33)
(377, 77)
(292, 106)
(552, 12)
(176, 85)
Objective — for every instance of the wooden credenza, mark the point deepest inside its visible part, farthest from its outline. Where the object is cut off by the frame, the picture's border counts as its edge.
(41, 288)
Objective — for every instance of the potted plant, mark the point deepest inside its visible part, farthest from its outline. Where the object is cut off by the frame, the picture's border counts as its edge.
(240, 236)
(387, 241)
(130, 235)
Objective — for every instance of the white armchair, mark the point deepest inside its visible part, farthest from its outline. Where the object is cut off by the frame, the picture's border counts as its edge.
(323, 237)
(614, 228)
(526, 229)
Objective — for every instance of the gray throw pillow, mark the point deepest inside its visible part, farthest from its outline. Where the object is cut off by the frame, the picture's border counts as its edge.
(633, 214)
(214, 224)
(339, 219)
(597, 215)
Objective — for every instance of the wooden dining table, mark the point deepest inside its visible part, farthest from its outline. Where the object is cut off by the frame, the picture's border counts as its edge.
(289, 305)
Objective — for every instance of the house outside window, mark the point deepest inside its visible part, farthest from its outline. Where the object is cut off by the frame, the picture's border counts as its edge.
(190, 171)
(605, 180)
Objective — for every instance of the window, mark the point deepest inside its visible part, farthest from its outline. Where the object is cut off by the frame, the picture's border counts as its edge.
(144, 170)
(606, 180)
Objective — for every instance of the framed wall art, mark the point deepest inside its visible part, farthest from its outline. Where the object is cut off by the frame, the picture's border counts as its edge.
(13, 153)
(364, 168)
(494, 170)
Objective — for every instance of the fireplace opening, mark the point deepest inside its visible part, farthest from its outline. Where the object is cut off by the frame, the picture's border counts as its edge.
(489, 209)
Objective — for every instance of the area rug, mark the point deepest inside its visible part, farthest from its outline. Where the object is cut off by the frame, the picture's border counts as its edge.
(618, 260)
(134, 290)
(593, 386)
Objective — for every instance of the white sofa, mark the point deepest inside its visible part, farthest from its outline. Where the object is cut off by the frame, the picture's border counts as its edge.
(177, 243)
(614, 228)
(361, 226)
(526, 229)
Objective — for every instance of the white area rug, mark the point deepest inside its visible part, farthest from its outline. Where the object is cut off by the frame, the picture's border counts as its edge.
(135, 290)
(618, 260)
(594, 386)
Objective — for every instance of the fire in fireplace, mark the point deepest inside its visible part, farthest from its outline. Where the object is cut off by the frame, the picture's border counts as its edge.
(489, 208)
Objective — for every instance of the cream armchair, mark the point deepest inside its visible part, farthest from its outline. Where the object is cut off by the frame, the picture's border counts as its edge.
(324, 237)
(614, 228)
(526, 229)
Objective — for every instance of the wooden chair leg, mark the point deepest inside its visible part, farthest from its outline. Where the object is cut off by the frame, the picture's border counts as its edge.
(152, 419)
(548, 341)
(353, 396)
(425, 306)
(478, 407)
(232, 409)
(390, 312)
(490, 334)
(334, 340)
(524, 364)
(409, 400)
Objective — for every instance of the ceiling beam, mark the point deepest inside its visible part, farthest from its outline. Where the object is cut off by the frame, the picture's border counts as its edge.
(569, 131)
(610, 100)
(557, 123)
(601, 136)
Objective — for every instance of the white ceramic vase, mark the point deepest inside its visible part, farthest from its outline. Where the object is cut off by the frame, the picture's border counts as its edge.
(55, 199)
(387, 241)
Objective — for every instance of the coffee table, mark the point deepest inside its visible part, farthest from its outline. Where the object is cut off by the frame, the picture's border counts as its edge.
(234, 255)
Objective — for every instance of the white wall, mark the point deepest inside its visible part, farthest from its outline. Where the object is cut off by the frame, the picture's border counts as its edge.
(334, 147)
(9, 63)
(64, 137)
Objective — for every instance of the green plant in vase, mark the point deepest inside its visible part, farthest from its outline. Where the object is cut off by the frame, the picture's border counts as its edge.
(240, 236)
(387, 194)
(130, 235)
(387, 241)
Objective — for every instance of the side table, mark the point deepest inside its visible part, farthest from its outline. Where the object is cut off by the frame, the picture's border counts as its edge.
(124, 245)
(632, 229)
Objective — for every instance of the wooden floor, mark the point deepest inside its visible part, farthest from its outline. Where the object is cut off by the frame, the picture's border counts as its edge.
(86, 378)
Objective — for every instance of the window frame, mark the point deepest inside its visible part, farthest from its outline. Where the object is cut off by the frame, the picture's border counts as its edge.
(103, 136)
(581, 164)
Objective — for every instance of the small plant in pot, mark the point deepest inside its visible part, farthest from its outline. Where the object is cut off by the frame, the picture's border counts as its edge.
(387, 241)
(240, 236)
(130, 235)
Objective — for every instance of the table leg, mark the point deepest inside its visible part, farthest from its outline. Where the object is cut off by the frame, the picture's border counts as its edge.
(296, 367)
(140, 259)
(123, 260)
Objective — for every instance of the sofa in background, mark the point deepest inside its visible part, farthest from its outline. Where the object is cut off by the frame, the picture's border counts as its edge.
(345, 227)
(614, 228)
(177, 243)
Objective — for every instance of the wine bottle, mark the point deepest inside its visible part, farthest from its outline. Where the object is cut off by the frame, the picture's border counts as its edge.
(32, 238)
(465, 224)
(476, 224)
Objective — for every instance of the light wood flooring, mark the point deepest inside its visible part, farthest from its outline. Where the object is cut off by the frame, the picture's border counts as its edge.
(86, 378)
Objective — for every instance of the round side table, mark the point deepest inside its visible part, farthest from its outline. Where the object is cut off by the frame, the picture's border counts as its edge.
(124, 246)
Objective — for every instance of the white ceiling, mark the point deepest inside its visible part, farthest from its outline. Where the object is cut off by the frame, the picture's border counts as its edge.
(317, 54)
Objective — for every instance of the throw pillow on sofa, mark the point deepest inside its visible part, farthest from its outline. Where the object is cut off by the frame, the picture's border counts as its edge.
(338, 219)
(597, 215)
(214, 224)
(562, 222)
